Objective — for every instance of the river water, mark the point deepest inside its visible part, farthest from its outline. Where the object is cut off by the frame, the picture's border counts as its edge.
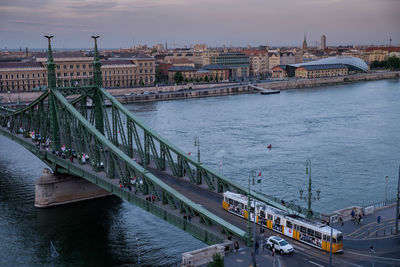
(349, 132)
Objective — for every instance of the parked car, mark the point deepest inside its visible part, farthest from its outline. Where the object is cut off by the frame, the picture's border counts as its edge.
(280, 245)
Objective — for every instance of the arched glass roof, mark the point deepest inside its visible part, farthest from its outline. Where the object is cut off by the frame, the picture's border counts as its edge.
(350, 61)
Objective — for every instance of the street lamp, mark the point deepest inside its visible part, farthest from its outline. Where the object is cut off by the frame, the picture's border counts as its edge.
(386, 198)
(249, 221)
(198, 174)
(309, 191)
(330, 249)
(138, 249)
(197, 143)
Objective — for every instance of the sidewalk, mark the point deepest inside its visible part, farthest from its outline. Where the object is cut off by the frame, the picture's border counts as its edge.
(243, 258)
(369, 228)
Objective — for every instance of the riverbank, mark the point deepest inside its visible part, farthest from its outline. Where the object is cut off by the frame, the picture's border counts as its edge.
(157, 93)
(304, 83)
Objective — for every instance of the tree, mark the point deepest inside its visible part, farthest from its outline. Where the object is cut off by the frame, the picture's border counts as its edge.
(191, 79)
(186, 80)
(220, 78)
(216, 77)
(393, 63)
(201, 79)
(197, 80)
(141, 83)
(178, 77)
(206, 79)
(158, 74)
(218, 261)
(211, 78)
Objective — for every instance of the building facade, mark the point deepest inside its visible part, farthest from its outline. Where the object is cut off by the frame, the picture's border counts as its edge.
(22, 76)
(258, 61)
(321, 71)
(279, 71)
(74, 70)
(274, 59)
(323, 42)
(238, 63)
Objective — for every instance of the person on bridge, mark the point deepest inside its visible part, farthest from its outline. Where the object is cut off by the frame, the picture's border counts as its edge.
(257, 245)
(236, 246)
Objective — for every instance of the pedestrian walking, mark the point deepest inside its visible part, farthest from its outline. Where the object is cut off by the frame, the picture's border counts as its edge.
(352, 214)
(341, 221)
(273, 250)
(256, 245)
(153, 198)
(236, 246)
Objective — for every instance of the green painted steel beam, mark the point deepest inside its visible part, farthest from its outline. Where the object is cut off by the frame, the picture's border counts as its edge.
(139, 169)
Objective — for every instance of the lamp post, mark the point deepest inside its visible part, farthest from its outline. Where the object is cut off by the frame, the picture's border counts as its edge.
(138, 249)
(198, 175)
(249, 221)
(386, 198)
(197, 143)
(398, 204)
(330, 249)
(309, 191)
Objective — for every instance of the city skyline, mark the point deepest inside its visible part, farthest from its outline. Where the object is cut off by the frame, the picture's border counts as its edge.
(123, 23)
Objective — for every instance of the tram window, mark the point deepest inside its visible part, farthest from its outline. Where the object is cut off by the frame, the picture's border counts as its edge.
(310, 232)
(235, 202)
(303, 229)
(269, 217)
(339, 238)
(262, 213)
(289, 224)
(296, 227)
(277, 220)
(334, 240)
(240, 205)
(252, 210)
(231, 201)
(318, 235)
(327, 238)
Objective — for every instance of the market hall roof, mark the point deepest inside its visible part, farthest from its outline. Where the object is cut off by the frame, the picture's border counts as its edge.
(354, 62)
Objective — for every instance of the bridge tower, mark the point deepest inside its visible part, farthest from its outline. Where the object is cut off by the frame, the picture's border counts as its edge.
(51, 79)
(97, 82)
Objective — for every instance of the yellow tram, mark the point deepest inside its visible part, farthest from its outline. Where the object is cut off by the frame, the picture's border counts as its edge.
(310, 232)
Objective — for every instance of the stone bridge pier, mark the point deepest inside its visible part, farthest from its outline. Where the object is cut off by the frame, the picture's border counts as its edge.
(53, 189)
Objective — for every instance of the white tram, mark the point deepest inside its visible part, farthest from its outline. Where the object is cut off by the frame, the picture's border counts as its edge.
(310, 232)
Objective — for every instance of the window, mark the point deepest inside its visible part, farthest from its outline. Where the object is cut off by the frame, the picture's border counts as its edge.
(22, 75)
(277, 220)
(145, 64)
(303, 229)
(77, 66)
(310, 232)
(58, 67)
(83, 66)
(71, 66)
(64, 66)
(140, 64)
(65, 74)
(289, 224)
(318, 235)
(230, 201)
(84, 73)
(78, 74)
(71, 74)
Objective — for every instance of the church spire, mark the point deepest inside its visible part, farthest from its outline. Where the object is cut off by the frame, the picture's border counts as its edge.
(305, 43)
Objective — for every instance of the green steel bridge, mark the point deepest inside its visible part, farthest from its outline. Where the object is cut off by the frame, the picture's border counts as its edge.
(120, 147)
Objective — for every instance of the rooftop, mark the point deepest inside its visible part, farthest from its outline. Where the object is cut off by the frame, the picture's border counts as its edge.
(8, 65)
(324, 66)
(215, 67)
(182, 68)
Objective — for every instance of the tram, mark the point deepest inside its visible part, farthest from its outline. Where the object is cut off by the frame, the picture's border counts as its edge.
(310, 232)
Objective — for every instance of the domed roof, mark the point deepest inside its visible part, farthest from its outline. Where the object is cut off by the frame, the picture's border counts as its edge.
(349, 61)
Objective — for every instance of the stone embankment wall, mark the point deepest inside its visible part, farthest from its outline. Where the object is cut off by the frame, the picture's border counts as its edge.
(303, 83)
(30, 96)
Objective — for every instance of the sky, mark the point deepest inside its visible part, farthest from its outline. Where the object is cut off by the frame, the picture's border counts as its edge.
(124, 23)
